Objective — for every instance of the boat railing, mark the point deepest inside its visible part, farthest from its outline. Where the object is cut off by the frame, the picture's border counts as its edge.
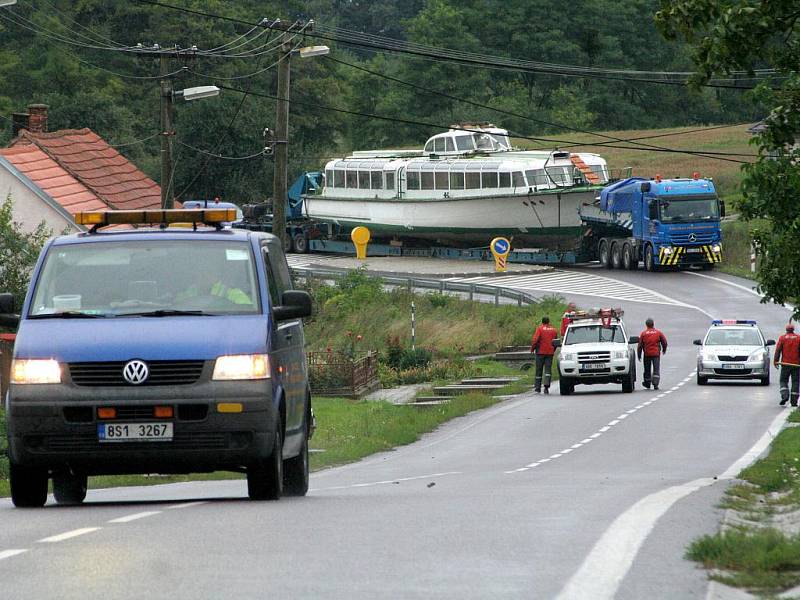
(619, 174)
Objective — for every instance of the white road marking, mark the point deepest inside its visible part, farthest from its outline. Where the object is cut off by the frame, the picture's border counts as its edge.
(135, 516)
(586, 440)
(567, 450)
(609, 561)
(612, 423)
(622, 416)
(385, 482)
(604, 429)
(9, 553)
(185, 505)
(595, 435)
(578, 445)
(68, 535)
(556, 455)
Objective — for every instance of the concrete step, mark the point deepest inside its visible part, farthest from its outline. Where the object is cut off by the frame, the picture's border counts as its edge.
(456, 390)
(429, 401)
(489, 380)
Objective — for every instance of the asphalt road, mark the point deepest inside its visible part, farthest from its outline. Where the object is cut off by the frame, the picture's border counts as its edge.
(594, 495)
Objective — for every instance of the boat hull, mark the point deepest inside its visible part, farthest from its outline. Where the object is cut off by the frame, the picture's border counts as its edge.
(538, 219)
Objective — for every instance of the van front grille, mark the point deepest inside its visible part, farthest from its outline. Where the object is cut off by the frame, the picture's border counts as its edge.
(162, 372)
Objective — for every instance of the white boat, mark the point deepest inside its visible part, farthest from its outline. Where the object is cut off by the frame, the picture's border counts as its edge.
(464, 187)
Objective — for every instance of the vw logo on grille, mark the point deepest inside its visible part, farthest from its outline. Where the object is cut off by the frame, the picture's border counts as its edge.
(135, 372)
(692, 237)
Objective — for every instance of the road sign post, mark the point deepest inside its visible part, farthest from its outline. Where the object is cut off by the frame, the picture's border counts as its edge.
(500, 248)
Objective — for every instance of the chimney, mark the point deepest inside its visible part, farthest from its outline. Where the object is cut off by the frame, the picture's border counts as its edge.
(37, 122)
(19, 121)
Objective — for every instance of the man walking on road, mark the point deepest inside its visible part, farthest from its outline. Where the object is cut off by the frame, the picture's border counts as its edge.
(787, 356)
(652, 344)
(542, 347)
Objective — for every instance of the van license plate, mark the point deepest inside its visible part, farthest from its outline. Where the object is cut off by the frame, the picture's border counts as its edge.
(134, 432)
(732, 366)
(593, 366)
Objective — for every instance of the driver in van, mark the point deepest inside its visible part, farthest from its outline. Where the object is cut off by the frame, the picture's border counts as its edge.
(206, 283)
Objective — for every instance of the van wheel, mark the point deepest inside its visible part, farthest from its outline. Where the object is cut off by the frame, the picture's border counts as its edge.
(602, 251)
(616, 256)
(69, 488)
(300, 243)
(295, 470)
(28, 486)
(565, 386)
(265, 478)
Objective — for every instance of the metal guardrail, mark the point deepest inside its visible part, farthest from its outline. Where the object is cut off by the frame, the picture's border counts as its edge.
(438, 285)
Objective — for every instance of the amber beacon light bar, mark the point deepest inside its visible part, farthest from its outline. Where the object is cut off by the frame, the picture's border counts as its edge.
(209, 216)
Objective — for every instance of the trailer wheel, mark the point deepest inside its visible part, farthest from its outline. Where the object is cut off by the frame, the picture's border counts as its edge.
(629, 262)
(300, 243)
(648, 259)
(616, 256)
(602, 251)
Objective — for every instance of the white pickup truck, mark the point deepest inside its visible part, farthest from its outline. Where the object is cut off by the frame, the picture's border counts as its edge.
(596, 349)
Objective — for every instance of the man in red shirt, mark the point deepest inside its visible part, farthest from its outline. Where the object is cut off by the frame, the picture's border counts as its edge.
(542, 347)
(652, 344)
(787, 355)
(567, 318)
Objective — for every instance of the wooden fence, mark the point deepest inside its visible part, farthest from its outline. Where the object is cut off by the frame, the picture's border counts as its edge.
(336, 374)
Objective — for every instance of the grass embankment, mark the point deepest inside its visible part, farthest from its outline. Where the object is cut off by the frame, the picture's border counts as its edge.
(756, 552)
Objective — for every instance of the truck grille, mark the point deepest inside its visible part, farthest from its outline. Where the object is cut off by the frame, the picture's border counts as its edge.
(700, 238)
(591, 357)
(162, 372)
(731, 358)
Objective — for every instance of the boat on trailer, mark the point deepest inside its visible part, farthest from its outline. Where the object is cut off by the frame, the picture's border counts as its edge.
(464, 187)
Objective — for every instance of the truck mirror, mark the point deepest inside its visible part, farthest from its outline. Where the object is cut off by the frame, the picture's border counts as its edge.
(770, 343)
(634, 339)
(700, 343)
(295, 304)
(721, 208)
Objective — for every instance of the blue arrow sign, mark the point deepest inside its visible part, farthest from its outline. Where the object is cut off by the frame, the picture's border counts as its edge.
(501, 246)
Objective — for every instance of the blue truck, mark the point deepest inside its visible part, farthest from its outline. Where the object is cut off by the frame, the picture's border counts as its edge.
(662, 223)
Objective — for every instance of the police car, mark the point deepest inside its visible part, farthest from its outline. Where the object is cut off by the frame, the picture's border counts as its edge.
(158, 350)
(733, 349)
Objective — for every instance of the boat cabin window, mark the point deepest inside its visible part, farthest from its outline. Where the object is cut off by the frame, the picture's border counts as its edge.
(517, 179)
(484, 141)
(473, 181)
(351, 179)
(429, 147)
(376, 177)
(338, 178)
(464, 142)
(456, 181)
(442, 180)
(505, 180)
(560, 175)
(426, 177)
(412, 180)
(450, 146)
(329, 177)
(363, 180)
(389, 181)
(438, 145)
(489, 179)
(537, 177)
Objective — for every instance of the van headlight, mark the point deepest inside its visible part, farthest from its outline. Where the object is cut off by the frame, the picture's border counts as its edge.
(27, 371)
(241, 366)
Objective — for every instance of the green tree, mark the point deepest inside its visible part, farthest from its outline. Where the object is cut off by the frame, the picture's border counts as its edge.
(740, 35)
(19, 250)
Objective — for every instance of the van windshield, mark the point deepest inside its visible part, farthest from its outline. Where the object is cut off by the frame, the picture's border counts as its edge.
(146, 278)
(594, 333)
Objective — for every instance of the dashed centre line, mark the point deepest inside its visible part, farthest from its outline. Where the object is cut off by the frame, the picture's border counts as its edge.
(135, 516)
(9, 553)
(603, 429)
(68, 535)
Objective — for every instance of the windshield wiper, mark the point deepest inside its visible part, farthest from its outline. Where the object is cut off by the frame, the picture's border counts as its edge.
(168, 313)
(69, 314)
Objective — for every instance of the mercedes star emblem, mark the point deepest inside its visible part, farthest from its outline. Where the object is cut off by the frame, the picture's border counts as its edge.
(135, 372)
(692, 237)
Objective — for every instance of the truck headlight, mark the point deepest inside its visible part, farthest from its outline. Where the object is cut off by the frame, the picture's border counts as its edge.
(26, 371)
(568, 356)
(667, 251)
(241, 366)
(620, 354)
(716, 248)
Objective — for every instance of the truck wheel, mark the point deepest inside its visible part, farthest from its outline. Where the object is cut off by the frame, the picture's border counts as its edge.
(602, 251)
(28, 486)
(649, 261)
(69, 488)
(300, 243)
(565, 386)
(295, 470)
(616, 256)
(265, 478)
(629, 260)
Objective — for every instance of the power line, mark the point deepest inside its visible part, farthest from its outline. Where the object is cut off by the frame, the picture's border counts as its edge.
(220, 156)
(716, 155)
(141, 141)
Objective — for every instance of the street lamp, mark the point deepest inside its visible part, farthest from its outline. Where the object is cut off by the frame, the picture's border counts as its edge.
(167, 97)
(280, 181)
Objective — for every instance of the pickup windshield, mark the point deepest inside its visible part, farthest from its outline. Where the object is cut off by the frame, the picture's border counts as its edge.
(146, 278)
(587, 334)
(685, 209)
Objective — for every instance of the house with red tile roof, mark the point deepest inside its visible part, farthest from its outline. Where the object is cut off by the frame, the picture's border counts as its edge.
(49, 176)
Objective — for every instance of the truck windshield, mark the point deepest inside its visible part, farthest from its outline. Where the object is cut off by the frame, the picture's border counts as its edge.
(588, 334)
(683, 209)
(146, 278)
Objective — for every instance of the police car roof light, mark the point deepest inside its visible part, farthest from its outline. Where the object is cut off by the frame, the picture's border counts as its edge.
(733, 322)
(213, 216)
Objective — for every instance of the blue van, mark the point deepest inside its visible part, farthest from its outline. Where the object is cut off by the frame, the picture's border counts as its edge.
(169, 350)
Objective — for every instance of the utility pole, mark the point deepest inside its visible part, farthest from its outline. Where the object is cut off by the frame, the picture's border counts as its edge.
(166, 133)
(281, 175)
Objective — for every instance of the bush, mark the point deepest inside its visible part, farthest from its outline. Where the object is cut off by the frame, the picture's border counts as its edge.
(19, 250)
(398, 357)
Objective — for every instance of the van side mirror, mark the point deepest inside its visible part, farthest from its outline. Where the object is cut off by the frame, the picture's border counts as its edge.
(295, 304)
(770, 343)
(634, 339)
(7, 308)
(700, 343)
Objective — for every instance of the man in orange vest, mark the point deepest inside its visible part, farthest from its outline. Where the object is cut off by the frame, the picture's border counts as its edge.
(787, 356)
(652, 344)
(542, 347)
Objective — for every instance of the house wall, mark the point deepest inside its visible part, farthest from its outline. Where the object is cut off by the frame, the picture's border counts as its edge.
(28, 208)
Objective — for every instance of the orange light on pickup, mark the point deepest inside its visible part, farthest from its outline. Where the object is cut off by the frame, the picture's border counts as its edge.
(163, 412)
(106, 412)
